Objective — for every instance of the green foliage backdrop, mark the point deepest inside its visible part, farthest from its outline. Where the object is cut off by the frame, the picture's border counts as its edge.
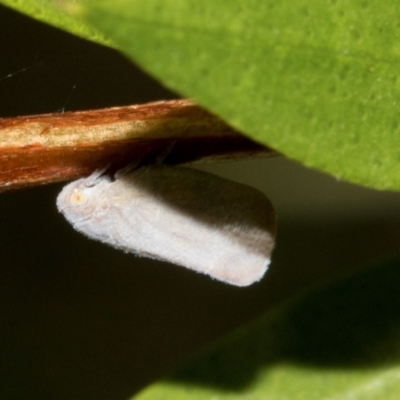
(319, 82)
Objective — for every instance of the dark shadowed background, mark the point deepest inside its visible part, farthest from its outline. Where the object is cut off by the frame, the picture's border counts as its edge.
(80, 320)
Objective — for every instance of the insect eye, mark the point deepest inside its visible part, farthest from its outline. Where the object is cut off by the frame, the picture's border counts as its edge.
(78, 198)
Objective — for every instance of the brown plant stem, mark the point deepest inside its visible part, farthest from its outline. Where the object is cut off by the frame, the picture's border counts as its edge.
(41, 149)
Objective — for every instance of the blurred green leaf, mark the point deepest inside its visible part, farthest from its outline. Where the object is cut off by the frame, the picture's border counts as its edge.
(46, 11)
(341, 341)
(316, 80)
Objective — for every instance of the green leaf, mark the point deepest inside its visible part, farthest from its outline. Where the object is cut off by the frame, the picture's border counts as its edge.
(316, 80)
(46, 11)
(341, 341)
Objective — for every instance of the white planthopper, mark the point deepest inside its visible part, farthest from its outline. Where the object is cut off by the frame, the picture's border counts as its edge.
(181, 215)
